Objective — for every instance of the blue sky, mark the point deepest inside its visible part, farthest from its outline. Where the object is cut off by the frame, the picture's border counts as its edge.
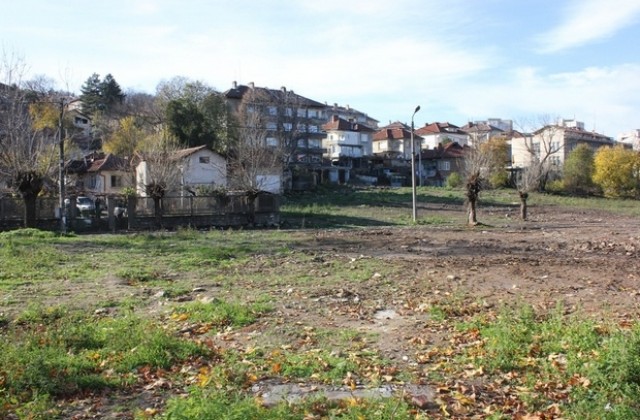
(460, 60)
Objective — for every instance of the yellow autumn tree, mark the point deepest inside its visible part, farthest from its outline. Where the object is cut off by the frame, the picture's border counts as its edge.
(617, 171)
(497, 150)
(126, 139)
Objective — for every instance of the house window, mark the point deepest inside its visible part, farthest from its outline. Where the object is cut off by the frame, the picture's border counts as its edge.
(536, 149)
(204, 159)
(287, 126)
(288, 112)
(272, 126)
(93, 182)
(301, 112)
(444, 165)
(116, 181)
(272, 110)
(313, 128)
(272, 142)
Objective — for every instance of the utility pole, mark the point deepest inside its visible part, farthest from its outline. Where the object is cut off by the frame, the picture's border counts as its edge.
(63, 216)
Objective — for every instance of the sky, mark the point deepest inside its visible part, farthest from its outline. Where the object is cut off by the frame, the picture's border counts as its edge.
(460, 60)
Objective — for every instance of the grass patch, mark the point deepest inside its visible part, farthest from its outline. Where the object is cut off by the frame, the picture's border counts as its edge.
(216, 404)
(593, 370)
(220, 314)
(57, 352)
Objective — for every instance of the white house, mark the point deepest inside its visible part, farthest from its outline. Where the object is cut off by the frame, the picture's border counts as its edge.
(346, 140)
(436, 133)
(554, 142)
(481, 131)
(631, 138)
(196, 167)
(394, 141)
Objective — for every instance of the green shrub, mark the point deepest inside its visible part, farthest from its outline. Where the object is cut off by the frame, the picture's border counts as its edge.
(454, 180)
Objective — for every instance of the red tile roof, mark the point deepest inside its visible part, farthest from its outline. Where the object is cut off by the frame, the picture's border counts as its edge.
(340, 124)
(436, 127)
(451, 150)
(107, 163)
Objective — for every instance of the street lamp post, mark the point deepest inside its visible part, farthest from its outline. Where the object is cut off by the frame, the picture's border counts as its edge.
(413, 168)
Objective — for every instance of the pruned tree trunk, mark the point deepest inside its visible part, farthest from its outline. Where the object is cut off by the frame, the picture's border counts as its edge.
(473, 192)
(156, 191)
(157, 210)
(252, 195)
(472, 213)
(523, 204)
(30, 184)
(30, 218)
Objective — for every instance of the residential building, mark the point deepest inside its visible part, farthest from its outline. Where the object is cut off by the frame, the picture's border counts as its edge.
(630, 138)
(201, 167)
(346, 142)
(352, 115)
(437, 133)
(499, 123)
(99, 174)
(285, 122)
(440, 162)
(394, 141)
(553, 143)
(198, 168)
(481, 131)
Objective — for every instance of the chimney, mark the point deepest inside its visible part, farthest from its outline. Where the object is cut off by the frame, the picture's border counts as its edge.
(284, 89)
(252, 85)
(235, 84)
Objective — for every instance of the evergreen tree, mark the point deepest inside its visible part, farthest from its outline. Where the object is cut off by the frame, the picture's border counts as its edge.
(111, 93)
(100, 95)
(91, 94)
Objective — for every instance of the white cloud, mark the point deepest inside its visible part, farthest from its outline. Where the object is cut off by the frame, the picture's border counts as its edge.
(145, 7)
(599, 96)
(587, 21)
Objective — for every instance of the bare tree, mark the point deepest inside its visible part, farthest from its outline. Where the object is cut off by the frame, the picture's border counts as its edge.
(255, 158)
(159, 170)
(478, 163)
(535, 152)
(27, 154)
(290, 122)
(538, 148)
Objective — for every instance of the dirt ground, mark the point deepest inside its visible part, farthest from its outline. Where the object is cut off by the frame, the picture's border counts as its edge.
(586, 260)
(582, 261)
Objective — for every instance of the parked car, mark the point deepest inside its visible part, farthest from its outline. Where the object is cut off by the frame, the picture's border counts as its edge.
(85, 204)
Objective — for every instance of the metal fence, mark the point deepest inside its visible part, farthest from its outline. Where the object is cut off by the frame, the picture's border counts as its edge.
(230, 209)
(12, 208)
